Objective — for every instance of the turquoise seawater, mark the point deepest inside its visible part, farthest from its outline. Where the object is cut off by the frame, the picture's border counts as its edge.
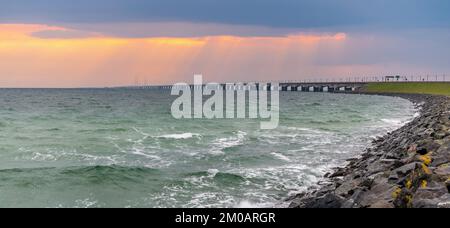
(122, 148)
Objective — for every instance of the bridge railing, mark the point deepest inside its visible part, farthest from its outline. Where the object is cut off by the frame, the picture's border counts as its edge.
(366, 79)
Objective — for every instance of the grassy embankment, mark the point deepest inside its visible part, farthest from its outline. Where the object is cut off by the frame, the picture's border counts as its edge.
(436, 88)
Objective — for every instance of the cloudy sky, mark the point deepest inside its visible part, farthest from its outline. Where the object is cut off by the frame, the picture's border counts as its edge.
(61, 43)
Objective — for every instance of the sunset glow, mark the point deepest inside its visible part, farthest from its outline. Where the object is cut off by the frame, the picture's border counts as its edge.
(108, 61)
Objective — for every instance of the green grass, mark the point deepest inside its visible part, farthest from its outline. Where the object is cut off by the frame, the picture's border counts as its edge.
(436, 88)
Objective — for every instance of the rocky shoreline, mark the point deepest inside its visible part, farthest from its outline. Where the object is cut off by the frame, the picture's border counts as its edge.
(407, 168)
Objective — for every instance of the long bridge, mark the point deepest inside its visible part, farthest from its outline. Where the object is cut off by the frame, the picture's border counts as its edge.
(285, 86)
(329, 85)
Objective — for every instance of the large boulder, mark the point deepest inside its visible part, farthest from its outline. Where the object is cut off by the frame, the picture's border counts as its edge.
(442, 156)
(328, 201)
(429, 197)
(406, 169)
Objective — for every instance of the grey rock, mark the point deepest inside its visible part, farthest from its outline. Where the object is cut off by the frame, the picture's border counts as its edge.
(442, 156)
(429, 197)
(444, 202)
(443, 170)
(379, 193)
(339, 173)
(394, 177)
(353, 201)
(406, 169)
(347, 187)
(425, 203)
(382, 204)
(327, 201)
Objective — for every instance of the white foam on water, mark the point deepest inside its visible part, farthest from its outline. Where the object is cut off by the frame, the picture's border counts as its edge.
(54, 155)
(247, 204)
(306, 130)
(211, 200)
(220, 144)
(140, 152)
(200, 181)
(416, 114)
(396, 122)
(150, 159)
(179, 136)
(213, 172)
(280, 156)
(86, 203)
(36, 156)
(141, 132)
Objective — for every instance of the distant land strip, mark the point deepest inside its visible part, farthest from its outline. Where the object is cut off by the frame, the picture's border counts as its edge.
(431, 88)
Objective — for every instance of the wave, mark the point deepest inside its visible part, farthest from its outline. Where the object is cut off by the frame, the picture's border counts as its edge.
(310, 130)
(326, 122)
(80, 174)
(280, 156)
(186, 135)
(56, 155)
(216, 176)
(246, 204)
(179, 136)
(220, 145)
(396, 122)
(315, 104)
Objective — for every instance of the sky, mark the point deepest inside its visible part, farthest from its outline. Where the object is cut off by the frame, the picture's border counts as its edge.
(61, 43)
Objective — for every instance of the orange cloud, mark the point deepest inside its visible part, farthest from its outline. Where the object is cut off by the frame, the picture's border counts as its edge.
(23, 31)
(318, 38)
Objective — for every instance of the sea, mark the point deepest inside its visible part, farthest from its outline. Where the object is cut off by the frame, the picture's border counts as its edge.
(122, 148)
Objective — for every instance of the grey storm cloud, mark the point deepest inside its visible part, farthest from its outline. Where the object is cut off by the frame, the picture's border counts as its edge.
(270, 13)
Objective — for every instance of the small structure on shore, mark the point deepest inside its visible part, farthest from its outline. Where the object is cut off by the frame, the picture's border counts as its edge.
(392, 78)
